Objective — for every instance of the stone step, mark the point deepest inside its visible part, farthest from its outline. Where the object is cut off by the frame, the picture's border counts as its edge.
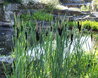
(5, 24)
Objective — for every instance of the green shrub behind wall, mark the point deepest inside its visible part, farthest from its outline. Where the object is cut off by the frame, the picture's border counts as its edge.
(39, 15)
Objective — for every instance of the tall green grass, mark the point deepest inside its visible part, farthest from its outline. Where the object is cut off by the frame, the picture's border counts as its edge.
(51, 60)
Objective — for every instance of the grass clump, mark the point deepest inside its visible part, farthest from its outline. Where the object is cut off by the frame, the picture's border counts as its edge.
(42, 16)
(39, 15)
(90, 25)
(51, 56)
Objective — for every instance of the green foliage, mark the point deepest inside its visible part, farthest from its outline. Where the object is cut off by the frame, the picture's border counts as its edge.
(55, 61)
(90, 25)
(42, 16)
(39, 15)
(72, 23)
(85, 8)
(93, 25)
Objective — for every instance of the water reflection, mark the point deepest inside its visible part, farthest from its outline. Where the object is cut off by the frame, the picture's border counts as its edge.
(84, 42)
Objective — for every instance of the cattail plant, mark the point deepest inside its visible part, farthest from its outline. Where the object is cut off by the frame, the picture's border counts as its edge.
(79, 26)
(60, 30)
(37, 32)
(56, 56)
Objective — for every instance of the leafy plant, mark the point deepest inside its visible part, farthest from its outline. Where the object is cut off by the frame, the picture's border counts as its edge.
(90, 25)
(51, 56)
(39, 15)
(42, 16)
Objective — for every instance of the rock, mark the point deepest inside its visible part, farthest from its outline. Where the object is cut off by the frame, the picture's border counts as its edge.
(12, 7)
(1, 1)
(71, 1)
(6, 63)
(53, 2)
(68, 12)
(33, 6)
(6, 43)
(5, 24)
(95, 14)
(1, 12)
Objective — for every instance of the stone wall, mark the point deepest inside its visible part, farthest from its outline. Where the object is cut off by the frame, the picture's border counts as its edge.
(1, 12)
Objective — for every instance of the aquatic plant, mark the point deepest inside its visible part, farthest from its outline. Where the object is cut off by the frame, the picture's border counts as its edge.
(51, 56)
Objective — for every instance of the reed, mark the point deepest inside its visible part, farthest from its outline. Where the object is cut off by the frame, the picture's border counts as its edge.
(38, 55)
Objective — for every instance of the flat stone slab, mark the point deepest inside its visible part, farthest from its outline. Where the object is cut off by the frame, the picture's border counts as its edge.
(6, 59)
(95, 14)
(68, 12)
(5, 24)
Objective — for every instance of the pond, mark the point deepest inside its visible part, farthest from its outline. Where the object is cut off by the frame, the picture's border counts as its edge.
(86, 43)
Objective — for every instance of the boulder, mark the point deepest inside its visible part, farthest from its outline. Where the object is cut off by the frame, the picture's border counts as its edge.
(9, 11)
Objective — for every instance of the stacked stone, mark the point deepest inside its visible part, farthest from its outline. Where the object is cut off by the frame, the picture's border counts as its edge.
(5, 40)
(5, 49)
(1, 10)
(6, 33)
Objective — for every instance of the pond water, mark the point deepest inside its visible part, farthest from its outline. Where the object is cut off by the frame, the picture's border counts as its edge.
(85, 43)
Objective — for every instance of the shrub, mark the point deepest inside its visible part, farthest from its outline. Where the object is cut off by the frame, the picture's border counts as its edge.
(39, 15)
